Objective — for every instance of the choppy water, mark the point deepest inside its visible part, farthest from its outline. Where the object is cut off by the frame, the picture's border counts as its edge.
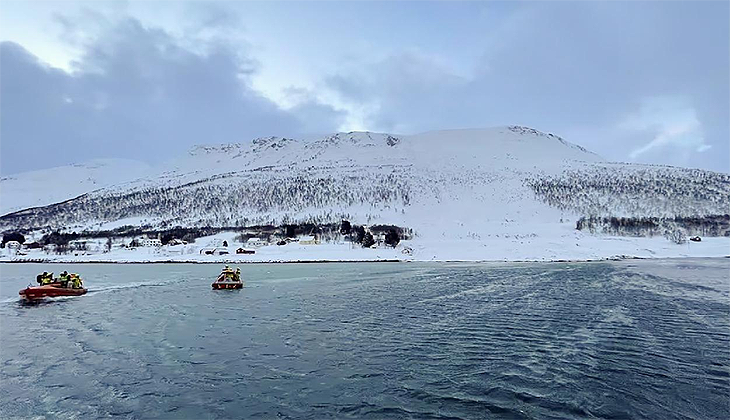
(646, 339)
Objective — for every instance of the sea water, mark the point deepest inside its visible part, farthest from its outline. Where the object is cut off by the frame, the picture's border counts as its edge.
(629, 339)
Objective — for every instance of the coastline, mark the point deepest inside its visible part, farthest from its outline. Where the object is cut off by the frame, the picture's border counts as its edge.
(182, 261)
(327, 261)
(565, 249)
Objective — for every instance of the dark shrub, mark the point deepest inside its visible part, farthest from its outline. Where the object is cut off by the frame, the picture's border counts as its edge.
(58, 238)
(345, 228)
(392, 238)
(359, 232)
(368, 240)
(290, 231)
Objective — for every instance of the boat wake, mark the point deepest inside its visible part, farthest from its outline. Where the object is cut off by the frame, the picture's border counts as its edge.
(45, 300)
(97, 289)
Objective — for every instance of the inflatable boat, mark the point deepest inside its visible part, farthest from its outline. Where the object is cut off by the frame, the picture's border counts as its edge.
(49, 290)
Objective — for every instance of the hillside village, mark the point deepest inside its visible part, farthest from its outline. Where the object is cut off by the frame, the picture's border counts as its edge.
(237, 245)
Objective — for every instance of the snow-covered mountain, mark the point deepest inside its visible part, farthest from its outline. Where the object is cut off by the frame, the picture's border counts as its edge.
(455, 184)
(47, 186)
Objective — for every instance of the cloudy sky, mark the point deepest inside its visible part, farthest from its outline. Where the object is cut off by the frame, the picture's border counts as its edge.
(632, 81)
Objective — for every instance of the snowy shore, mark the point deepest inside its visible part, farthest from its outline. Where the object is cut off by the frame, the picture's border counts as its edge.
(576, 247)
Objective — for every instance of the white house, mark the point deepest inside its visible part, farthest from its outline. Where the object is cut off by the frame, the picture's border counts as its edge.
(256, 242)
(309, 240)
(13, 247)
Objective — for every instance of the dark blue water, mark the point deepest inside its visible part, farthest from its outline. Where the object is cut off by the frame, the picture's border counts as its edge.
(381, 341)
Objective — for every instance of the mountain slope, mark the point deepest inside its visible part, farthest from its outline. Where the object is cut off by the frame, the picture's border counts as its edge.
(46, 186)
(460, 184)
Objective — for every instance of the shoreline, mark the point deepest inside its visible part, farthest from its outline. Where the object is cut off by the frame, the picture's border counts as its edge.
(561, 249)
(330, 261)
(42, 261)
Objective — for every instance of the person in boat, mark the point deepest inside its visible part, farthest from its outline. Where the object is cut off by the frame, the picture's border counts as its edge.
(76, 282)
(237, 276)
(223, 276)
(64, 278)
(45, 278)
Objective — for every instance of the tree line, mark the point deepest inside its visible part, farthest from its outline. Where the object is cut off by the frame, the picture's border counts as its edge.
(326, 231)
(714, 225)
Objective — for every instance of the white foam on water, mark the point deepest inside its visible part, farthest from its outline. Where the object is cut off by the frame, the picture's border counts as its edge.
(133, 285)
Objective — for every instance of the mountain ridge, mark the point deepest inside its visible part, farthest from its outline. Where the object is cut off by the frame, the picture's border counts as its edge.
(484, 180)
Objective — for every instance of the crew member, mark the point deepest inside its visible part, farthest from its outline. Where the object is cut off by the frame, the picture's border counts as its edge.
(47, 278)
(228, 272)
(76, 281)
(64, 278)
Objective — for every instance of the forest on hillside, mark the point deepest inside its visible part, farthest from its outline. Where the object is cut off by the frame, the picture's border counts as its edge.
(619, 190)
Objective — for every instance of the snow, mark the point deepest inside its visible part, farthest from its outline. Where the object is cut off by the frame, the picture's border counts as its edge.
(504, 193)
(570, 246)
(46, 186)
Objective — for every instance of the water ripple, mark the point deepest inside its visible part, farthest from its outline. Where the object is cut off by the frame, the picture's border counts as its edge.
(413, 341)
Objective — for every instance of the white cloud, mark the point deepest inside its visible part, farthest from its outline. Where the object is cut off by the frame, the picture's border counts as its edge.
(672, 122)
(704, 147)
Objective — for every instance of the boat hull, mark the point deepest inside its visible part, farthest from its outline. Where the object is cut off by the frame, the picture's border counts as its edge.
(49, 290)
(227, 285)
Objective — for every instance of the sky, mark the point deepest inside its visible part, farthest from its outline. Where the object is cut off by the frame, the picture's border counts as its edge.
(645, 82)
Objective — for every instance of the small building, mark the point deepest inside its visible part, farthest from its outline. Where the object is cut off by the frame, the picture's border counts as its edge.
(309, 240)
(256, 242)
(379, 239)
(176, 241)
(245, 251)
(13, 247)
(91, 245)
(150, 243)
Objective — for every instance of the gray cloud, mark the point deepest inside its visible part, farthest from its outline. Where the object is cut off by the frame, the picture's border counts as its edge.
(577, 69)
(642, 80)
(136, 92)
